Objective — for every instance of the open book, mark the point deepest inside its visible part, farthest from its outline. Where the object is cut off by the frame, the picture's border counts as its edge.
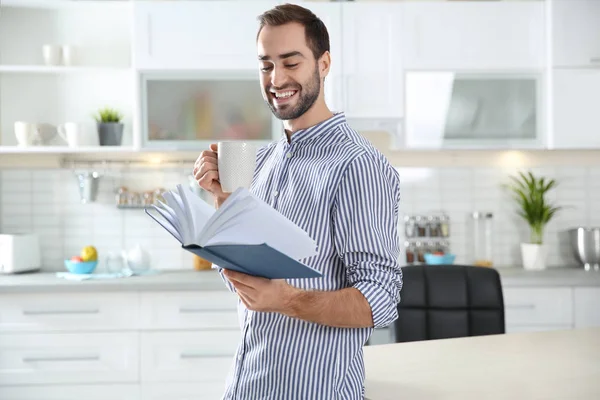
(244, 234)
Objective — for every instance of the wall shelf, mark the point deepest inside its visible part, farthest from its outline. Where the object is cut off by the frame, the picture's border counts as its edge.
(44, 69)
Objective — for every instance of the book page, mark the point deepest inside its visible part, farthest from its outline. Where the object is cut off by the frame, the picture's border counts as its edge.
(222, 213)
(261, 223)
(168, 225)
(171, 216)
(199, 210)
(174, 201)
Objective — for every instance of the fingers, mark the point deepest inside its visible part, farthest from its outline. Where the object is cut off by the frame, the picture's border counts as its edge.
(245, 279)
(206, 171)
(214, 147)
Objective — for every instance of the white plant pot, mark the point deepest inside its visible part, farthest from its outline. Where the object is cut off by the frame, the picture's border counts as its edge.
(534, 256)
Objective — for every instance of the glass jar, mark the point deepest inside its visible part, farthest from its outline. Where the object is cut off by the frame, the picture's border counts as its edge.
(421, 224)
(409, 249)
(409, 227)
(434, 226)
(444, 226)
(482, 236)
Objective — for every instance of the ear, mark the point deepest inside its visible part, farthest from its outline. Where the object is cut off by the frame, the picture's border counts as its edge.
(324, 64)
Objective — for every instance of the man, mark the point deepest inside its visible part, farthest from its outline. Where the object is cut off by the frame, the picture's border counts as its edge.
(303, 338)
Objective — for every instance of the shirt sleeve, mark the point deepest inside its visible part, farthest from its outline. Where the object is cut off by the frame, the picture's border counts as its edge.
(365, 220)
(225, 280)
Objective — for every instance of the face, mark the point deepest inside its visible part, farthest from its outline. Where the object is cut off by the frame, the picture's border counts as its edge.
(290, 77)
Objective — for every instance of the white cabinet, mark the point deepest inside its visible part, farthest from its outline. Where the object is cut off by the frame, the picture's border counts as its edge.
(68, 358)
(189, 35)
(538, 308)
(587, 313)
(73, 392)
(372, 60)
(576, 33)
(576, 112)
(474, 35)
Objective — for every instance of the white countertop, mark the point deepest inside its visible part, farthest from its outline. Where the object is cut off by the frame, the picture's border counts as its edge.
(210, 280)
(534, 365)
(162, 280)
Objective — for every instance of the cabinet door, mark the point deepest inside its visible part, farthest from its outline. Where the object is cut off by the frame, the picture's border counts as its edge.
(197, 35)
(373, 84)
(587, 313)
(576, 113)
(331, 15)
(576, 33)
(76, 392)
(478, 35)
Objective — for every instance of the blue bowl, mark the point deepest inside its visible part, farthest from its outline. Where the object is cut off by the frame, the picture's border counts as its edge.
(434, 259)
(81, 267)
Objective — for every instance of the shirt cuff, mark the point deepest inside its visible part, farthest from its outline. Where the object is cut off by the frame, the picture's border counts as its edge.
(383, 305)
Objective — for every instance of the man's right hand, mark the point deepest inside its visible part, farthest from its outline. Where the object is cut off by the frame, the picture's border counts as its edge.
(206, 173)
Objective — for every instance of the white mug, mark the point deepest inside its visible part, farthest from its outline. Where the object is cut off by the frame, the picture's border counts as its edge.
(27, 133)
(70, 132)
(236, 163)
(68, 55)
(52, 54)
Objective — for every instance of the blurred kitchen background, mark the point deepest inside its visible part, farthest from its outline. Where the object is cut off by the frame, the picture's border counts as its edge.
(105, 104)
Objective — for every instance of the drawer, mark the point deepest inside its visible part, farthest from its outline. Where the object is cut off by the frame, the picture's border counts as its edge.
(65, 358)
(183, 391)
(192, 356)
(189, 310)
(87, 392)
(587, 313)
(68, 312)
(538, 306)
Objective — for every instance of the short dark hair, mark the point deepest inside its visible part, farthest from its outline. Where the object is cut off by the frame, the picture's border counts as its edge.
(315, 30)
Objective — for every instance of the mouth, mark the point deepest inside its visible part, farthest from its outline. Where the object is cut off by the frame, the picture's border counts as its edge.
(283, 96)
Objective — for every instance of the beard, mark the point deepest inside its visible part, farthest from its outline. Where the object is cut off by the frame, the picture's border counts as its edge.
(308, 93)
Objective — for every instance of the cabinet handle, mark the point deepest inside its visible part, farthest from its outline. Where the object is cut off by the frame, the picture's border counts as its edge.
(595, 60)
(188, 356)
(192, 310)
(59, 358)
(55, 312)
(522, 306)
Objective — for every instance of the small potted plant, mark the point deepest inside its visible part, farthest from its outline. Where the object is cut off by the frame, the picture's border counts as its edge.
(530, 195)
(110, 127)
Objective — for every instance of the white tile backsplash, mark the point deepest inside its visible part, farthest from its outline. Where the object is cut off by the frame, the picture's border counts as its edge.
(47, 202)
(460, 191)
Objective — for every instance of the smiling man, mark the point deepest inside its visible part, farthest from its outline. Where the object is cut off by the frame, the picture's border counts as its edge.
(303, 338)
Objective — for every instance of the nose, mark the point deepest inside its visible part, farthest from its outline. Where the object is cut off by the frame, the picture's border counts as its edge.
(278, 77)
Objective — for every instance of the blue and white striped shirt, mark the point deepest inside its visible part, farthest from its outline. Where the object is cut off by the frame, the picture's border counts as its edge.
(336, 186)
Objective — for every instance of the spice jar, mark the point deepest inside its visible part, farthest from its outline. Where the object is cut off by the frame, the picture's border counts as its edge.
(444, 226)
(410, 253)
(420, 252)
(121, 198)
(482, 236)
(434, 226)
(421, 225)
(409, 227)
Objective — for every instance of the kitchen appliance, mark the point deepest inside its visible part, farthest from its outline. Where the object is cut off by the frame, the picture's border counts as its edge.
(19, 253)
(585, 245)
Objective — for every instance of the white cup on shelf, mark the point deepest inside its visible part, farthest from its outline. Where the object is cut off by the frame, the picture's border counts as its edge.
(71, 133)
(68, 55)
(52, 54)
(26, 133)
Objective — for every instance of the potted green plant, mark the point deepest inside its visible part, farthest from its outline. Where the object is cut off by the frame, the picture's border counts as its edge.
(110, 127)
(529, 193)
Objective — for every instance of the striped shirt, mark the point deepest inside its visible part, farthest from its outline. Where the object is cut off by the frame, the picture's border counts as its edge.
(336, 186)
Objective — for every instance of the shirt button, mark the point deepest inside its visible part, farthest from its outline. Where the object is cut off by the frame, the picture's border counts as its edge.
(275, 193)
(289, 154)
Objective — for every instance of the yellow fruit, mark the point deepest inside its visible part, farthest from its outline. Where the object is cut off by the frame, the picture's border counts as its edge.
(89, 253)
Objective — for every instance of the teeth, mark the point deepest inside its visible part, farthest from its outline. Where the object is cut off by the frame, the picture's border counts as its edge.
(284, 94)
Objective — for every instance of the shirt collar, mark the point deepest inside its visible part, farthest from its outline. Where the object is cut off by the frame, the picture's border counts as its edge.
(314, 131)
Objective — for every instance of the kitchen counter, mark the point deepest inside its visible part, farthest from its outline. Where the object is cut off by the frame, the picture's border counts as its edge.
(161, 281)
(533, 365)
(210, 280)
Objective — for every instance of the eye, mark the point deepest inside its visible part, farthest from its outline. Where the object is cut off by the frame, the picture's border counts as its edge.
(292, 65)
(266, 69)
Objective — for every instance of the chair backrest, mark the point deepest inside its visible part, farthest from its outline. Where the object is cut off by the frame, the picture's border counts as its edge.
(446, 301)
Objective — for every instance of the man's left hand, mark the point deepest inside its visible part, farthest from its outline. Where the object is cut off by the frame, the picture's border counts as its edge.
(261, 294)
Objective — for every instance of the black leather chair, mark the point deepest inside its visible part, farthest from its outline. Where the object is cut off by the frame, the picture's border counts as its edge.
(447, 301)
